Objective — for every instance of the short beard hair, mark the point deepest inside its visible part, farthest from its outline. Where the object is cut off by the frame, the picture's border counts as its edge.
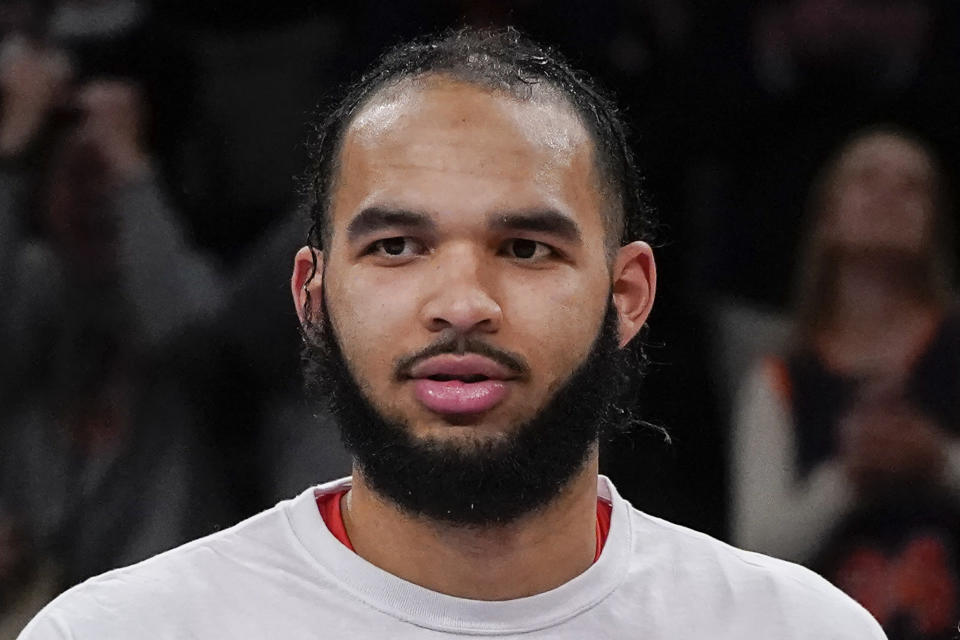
(474, 483)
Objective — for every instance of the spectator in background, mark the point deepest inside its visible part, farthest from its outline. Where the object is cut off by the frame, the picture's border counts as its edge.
(784, 80)
(99, 462)
(862, 410)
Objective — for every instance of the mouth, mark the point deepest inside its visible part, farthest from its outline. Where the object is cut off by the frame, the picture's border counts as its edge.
(456, 385)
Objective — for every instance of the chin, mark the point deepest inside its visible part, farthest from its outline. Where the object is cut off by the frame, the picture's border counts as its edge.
(465, 438)
(465, 426)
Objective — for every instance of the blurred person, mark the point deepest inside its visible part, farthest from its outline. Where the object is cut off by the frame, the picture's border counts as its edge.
(98, 203)
(826, 67)
(475, 274)
(861, 411)
(99, 462)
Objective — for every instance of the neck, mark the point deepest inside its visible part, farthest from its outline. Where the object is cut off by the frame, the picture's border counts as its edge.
(537, 553)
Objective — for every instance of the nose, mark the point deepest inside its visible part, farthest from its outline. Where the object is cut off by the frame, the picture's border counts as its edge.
(460, 297)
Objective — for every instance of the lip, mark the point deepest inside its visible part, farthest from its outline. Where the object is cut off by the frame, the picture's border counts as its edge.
(462, 365)
(458, 397)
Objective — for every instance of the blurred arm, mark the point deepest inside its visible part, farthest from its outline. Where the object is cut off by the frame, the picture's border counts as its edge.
(774, 512)
(170, 284)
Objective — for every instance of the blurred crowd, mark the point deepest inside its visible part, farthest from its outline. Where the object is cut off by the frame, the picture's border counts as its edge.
(805, 346)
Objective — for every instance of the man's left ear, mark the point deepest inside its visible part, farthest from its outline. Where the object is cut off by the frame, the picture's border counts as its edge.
(634, 285)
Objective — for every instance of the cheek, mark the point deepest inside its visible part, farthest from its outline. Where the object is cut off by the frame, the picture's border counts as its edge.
(374, 317)
(554, 324)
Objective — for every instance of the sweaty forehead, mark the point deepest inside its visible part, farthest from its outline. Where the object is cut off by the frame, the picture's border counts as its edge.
(543, 122)
(445, 129)
(544, 115)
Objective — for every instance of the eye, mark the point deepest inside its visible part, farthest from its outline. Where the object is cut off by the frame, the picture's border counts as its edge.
(524, 249)
(398, 247)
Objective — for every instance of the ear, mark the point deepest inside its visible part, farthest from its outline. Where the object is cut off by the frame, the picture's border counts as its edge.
(307, 279)
(634, 286)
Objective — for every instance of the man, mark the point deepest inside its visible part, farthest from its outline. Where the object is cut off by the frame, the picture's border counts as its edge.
(475, 271)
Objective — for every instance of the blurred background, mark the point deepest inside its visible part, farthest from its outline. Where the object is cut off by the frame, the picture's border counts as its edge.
(805, 343)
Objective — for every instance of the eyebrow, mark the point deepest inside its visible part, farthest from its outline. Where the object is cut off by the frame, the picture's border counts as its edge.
(377, 218)
(373, 219)
(548, 220)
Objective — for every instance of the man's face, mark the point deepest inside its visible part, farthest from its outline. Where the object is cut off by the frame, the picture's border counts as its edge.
(465, 217)
(464, 324)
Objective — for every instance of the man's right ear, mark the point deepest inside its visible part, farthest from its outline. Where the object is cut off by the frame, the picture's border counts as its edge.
(307, 282)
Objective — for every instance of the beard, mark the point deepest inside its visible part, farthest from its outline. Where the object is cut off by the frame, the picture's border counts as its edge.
(475, 482)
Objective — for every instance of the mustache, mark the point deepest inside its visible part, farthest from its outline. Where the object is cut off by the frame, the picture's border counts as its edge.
(459, 344)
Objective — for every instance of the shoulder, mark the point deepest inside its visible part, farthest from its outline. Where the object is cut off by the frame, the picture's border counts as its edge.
(749, 588)
(181, 588)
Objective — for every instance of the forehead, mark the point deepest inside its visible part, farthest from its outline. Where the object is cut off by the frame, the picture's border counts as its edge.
(889, 154)
(447, 147)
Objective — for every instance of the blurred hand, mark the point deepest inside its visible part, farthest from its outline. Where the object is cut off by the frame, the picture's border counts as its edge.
(32, 81)
(887, 443)
(113, 126)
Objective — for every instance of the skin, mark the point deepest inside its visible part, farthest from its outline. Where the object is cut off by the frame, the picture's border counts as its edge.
(463, 157)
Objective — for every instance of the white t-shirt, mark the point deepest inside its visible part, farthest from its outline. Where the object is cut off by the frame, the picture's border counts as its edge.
(282, 574)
